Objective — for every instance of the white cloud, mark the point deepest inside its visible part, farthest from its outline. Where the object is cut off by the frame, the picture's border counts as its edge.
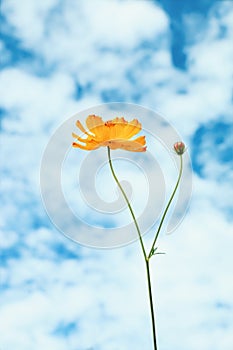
(207, 84)
(104, 23)
(89, 26)
(8, 240)
(35, 100)
(27, 18)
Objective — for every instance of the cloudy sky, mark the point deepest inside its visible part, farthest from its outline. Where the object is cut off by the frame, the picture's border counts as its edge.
(58, 59)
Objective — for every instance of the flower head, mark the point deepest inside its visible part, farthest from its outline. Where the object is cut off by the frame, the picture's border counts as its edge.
(179, 147)
(115, 134)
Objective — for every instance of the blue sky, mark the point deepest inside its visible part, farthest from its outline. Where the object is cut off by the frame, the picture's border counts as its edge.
(60, 58)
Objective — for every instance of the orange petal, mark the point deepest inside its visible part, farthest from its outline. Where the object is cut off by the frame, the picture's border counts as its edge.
(80, 126)
(140, 140)
(115, 133)
(97, 127)
(133, 146)
(93, 121)
(81, 139)
(125, 130)
(101, 132)
(116, 128)
(132, 128)
(87, 147)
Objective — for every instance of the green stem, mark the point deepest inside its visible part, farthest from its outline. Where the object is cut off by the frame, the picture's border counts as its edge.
(151, 303)
(143, 249)
(128, 203)
(166, 209)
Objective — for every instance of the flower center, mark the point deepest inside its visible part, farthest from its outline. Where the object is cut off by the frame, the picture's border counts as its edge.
(109, 123)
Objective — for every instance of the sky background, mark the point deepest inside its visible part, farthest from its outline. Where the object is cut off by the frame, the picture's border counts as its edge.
(61, 57)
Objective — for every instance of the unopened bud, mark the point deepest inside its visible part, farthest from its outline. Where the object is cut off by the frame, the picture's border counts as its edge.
(179, 147)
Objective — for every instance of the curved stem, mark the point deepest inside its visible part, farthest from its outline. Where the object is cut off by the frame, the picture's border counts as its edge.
(143, 249)
(128, 203)
(166, 209)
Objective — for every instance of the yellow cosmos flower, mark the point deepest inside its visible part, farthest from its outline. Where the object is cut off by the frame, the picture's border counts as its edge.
(115, 134)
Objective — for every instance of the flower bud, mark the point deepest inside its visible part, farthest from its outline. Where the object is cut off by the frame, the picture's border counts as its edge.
(179, 147)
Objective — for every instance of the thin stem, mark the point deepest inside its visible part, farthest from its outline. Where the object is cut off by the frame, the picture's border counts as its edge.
(166, 209)
(143, 249)
(128, 203)
(151, 303)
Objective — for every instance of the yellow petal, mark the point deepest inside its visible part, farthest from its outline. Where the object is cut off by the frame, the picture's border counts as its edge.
(97, 127)
(80, 138)
(133, 146)
(132, 128)
(77, 137)
(116, 127)
(101, 132)
(80, 126)
(93, 121)
(140, 140)
(87, 147)
(115, 133)
(124, 129)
